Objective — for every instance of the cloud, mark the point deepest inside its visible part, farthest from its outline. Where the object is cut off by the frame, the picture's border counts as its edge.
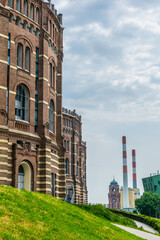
(111, 76)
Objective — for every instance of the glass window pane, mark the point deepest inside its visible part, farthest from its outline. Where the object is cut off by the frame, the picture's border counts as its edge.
(19, 55)
(18, 5)
(27, 56)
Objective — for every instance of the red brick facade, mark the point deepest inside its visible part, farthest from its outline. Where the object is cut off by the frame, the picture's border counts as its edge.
(31, 130)
(75, 156)
(114, 195)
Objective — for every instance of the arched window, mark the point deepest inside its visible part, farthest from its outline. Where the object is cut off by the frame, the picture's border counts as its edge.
(51, 117)
(25, 24)
(10, 3)
(18, 20)
(37, 33)
(22, 103)
(18, 5)
(37, 15)
(50, 74)
(31, 11)
(31, 28)
(53, 80)
(19, 55)
(67, 166)
(11, 18)
(27, 58)
(25, 7)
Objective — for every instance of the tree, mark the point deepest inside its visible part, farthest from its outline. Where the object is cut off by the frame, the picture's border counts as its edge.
(148, 204)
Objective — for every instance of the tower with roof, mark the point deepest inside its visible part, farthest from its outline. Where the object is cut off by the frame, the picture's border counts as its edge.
(114, 195)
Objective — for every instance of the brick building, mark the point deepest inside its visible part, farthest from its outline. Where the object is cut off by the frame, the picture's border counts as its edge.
(32, 155)
(75, 157)
(114, 195)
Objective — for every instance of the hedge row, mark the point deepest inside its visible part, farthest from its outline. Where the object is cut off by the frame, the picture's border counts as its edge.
(153, 222)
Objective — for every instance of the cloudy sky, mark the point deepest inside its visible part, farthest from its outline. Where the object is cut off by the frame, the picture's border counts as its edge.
(111, 76)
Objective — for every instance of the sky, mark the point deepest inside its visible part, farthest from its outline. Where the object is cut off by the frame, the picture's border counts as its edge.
(111, 76)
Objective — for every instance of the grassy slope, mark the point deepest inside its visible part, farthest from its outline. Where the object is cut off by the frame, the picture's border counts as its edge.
(30, 215)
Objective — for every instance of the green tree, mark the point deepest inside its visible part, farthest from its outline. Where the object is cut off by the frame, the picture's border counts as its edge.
(148, 204)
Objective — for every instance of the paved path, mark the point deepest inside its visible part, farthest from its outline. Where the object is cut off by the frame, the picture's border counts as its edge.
(145, 227)
(139, 233)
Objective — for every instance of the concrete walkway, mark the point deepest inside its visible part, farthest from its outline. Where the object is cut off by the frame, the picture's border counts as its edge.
(139, 233)
(145, 227)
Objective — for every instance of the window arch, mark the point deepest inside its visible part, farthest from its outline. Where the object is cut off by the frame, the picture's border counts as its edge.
(67, 166)
(25, 24)
(27, 58)
(10, 3)
(19, 55)
(18, 21)
(37, 15)
(22, 103)
(18, 5)
(31, 11)
(25, 5)
(51, 116)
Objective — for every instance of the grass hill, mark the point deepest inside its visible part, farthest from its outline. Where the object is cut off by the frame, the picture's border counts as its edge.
(31, 215)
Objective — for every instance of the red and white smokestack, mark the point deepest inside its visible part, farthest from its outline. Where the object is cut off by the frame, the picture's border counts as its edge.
(134, 169)
(125, 175)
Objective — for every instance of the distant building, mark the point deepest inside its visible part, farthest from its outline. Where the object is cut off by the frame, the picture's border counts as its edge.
(75, 158)
(133, 194)
(114, 195)
(152, 183)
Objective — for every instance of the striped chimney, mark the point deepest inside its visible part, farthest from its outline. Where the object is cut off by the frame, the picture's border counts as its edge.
(125, 175)
(134, 169)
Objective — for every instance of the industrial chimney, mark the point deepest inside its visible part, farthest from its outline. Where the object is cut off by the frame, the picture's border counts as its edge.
(125, 175)
(134, 169)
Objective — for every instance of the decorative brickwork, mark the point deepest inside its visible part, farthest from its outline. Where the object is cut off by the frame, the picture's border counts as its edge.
(75, 157)
(32, 155)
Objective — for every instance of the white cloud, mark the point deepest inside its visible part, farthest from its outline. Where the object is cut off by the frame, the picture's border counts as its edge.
(111, 76)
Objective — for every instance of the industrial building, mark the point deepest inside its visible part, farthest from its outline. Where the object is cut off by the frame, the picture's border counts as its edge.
(32, 152)
(133, 194)
(152, 183)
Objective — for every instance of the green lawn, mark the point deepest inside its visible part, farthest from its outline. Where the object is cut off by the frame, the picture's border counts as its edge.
(30, 215)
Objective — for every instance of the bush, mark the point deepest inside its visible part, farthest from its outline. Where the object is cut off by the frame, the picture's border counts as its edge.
(153, 222)
(101, 211)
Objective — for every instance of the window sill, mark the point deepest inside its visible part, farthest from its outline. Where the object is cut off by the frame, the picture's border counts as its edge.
(22, 121)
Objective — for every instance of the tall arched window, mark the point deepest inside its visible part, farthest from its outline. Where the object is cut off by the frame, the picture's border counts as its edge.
(31, 28)
(67, 166)
(31, 11)
(51, 117)
(11, 18)
(18, 5)
(50, 74)
(53, 80)
(37, 15)
(18, 20)
(22, 103)
(25, 7)
(25, 24)
(37, 33)
(27, 58)
(19, 55)
(10, 3)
